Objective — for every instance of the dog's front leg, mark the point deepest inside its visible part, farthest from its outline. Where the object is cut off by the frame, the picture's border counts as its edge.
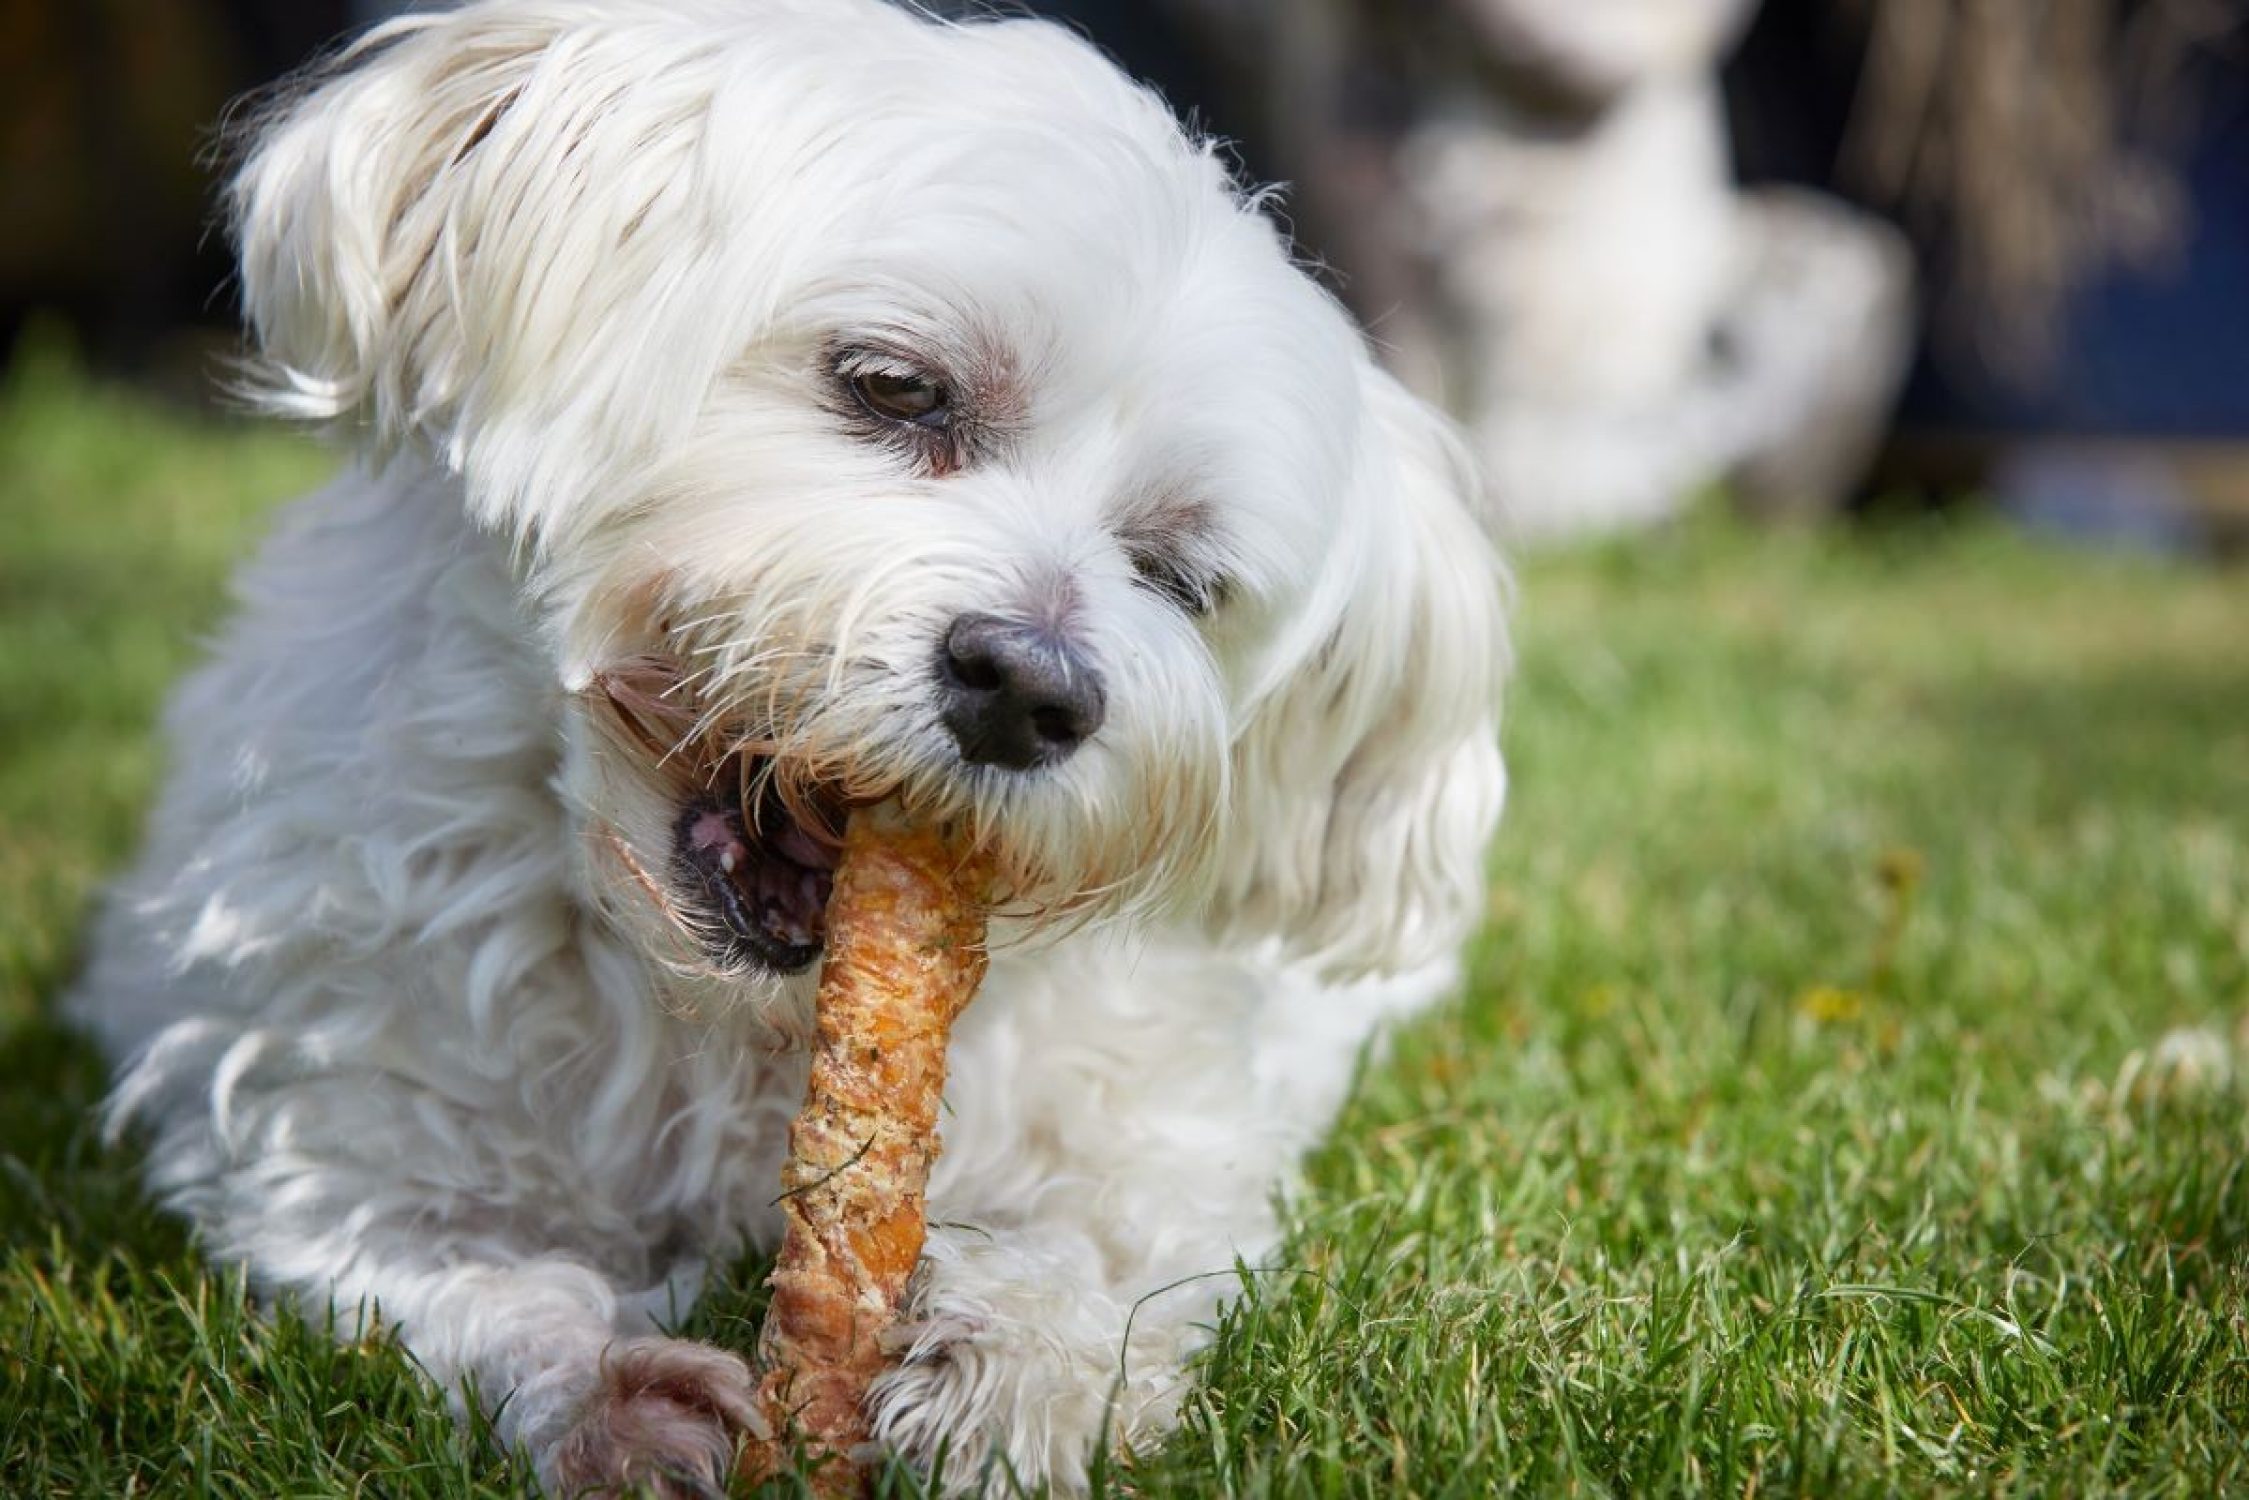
(1115, 1141)
(503, 1268)
(1031, 1349)
(568, 1363)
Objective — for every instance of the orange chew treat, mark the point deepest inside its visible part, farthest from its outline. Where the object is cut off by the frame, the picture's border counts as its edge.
(905, 943)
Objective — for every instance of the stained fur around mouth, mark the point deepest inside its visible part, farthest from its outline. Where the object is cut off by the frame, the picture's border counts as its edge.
(758, 871)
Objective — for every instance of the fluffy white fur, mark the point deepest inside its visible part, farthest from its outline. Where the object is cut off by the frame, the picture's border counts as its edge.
(407, 1020)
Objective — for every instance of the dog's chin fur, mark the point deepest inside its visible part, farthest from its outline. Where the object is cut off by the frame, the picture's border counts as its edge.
(424, 988)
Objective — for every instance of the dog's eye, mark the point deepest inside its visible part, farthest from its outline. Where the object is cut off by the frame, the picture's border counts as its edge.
(1192, 589)
(899, 396)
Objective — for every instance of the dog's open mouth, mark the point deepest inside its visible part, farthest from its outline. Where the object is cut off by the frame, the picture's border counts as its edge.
(754, 851)
(763, 867)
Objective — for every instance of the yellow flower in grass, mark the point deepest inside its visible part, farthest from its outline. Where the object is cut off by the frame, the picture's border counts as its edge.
(1829, 1005)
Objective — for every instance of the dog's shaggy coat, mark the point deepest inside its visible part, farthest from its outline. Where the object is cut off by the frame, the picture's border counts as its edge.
(746, 347)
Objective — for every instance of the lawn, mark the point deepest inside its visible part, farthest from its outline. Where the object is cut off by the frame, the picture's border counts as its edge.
(1805, 1127)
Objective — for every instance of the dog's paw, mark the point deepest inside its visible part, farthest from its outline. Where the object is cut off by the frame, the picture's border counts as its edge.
(1013, 1371)
(665, 1420)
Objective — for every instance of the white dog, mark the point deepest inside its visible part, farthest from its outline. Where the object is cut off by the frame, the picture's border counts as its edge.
(774, 405)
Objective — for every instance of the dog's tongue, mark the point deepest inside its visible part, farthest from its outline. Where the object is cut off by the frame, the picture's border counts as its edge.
(802, 848)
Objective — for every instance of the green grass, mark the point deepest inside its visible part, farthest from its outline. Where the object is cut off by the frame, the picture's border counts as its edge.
(1799, 1132)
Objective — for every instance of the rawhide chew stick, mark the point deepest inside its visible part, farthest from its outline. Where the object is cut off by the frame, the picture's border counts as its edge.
(905, 953)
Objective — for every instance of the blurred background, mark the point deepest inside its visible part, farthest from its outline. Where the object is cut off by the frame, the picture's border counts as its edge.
(1812, 255)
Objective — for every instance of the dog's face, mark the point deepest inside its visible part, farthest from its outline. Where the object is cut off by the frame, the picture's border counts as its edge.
(888, 409)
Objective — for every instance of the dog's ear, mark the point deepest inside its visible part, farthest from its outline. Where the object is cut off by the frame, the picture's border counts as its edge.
(424, 223)
(352, 215)
(1365, 788)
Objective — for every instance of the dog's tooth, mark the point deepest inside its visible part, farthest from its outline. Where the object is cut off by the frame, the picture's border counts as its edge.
(728, 860)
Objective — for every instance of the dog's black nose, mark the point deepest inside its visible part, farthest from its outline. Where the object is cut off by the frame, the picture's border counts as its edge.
(1015, 695)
